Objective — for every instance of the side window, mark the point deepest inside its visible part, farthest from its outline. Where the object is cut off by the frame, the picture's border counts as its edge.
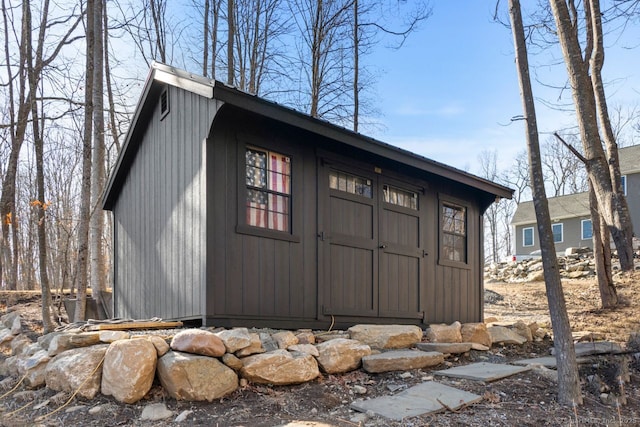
(587, 229)
(557, 233)
(453, 222)
(623, 180)
(527, 236)
(268, 189)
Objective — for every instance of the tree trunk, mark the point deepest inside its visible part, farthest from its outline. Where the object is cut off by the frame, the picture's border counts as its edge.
(568, 381)
(602, 254)
(356, 67)
(85, 187)
(612, 207)
(230, 39)
(98, 270)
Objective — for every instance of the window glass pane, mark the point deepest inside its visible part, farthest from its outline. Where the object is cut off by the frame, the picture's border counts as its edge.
(350, 184)
(454, 229)
(268, 180)
(624, 184)
(557, 233)
(400, 197)
(528, 237)
(587, 229)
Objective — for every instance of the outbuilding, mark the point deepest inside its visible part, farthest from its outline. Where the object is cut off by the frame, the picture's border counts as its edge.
(232, 210)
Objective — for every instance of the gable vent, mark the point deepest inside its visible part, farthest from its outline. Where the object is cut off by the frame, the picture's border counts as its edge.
(164, 104)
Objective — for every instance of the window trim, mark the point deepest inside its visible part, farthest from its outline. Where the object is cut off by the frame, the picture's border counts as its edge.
(582, 222)
(442, 260)
(561, 232)
(292, 235)
(524, 239)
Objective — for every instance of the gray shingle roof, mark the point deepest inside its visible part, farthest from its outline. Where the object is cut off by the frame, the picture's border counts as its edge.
(629, 159)
(570, 206)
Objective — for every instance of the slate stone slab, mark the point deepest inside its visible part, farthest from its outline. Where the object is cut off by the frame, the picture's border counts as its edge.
(597, 347)
(422, 399)
(486, 372)
(445, 348)
(547, 362)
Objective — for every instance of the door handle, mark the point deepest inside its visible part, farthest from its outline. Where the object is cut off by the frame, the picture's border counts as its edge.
(382, 246)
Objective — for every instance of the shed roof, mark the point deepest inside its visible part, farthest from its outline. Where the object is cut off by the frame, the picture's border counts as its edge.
(561, 207)
(161, 74)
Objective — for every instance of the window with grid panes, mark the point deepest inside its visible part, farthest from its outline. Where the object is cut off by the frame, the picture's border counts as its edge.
(268, 184)
(453, 246)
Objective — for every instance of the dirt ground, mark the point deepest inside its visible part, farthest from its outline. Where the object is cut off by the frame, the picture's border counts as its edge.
(527, 399)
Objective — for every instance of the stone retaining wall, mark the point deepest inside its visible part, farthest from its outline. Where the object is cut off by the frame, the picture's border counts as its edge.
(206, 364)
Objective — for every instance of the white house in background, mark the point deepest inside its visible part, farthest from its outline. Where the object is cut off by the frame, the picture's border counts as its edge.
(571, 221)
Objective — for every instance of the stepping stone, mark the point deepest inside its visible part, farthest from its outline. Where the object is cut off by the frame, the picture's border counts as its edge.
(591, 348)
(483, 371)
(401, 360)
(547, 362)
(445, 348)
(425, 398)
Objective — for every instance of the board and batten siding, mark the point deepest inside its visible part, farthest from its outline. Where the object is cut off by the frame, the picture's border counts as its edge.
(160, 215)
(254, 276)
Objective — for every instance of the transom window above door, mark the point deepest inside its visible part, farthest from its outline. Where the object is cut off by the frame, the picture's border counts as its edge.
(396, 196)
(268, 184)
(352, 184)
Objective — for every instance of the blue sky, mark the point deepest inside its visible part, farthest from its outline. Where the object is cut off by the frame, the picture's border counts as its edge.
(452, 88)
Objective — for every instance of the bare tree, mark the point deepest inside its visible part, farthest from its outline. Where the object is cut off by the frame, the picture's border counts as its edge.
(564, 172)
(602, 167)
(568, 381)
(488, 161)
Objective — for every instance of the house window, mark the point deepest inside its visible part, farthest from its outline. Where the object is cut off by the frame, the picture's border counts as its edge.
(396, 196)
(557, 233)
(268, 183)
(587, 229)
(350, 184)
(527, 236)
(623, 181)
(454, 233)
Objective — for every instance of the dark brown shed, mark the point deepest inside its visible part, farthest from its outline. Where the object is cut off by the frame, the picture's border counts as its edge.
(233, 210)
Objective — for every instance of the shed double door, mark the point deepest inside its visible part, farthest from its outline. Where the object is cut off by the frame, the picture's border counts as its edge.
(370, 241)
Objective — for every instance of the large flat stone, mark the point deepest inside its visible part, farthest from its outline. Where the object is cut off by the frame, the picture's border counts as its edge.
(592, 348)
(445, 348)
(486, 372)
(401, 360)
(547, 361)
(425, 398)
(386, 336)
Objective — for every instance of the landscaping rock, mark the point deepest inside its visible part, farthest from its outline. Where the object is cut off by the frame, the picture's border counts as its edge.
(255, 347)
(305, 336)
(386, 336)
(305, 348)
(67, 341)
(445, 333)
(33, 368)
(45, 340)
(6, 337)
(445, 348)
(198, 341)
(401, 360)
(523, 330)
(235, 339)
(9, 367)
(268, 343)
(111, 336)
(341, 355)
(285, 339)
(476, 332)
(128, 370)
(232, 361)
(160, 344)
(73, 368)
(193, 377)
(280, 367)
(19, 344)
(156, 412)
(504, 335)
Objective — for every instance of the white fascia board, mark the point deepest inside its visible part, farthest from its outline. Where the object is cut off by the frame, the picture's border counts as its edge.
(185, 83)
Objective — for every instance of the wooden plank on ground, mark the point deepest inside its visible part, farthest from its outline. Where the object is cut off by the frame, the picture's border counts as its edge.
(133, 325)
